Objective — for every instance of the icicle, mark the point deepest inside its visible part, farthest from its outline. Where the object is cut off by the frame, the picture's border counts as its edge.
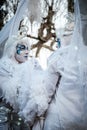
(34, 11)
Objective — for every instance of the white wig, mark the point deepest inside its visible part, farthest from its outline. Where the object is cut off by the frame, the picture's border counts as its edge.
(10, 47)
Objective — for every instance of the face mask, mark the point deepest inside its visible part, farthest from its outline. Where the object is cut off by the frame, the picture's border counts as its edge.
(21, 53)
(20, 48)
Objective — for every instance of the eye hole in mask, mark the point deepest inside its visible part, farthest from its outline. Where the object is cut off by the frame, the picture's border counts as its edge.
(20, 48)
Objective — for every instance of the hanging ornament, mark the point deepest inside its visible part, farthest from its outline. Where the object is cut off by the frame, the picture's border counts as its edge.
(58, 43)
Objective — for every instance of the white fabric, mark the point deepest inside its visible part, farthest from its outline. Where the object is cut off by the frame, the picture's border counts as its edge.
(35, 95)
(69, 109)
(11, 28)
(4, 33)
(23, 87)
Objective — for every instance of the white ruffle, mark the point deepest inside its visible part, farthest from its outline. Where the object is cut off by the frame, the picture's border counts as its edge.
(33, 98)
(23, 87)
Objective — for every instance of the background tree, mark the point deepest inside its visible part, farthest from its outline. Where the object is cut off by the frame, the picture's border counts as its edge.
(7, 10)
(71, 6)
(3, 13)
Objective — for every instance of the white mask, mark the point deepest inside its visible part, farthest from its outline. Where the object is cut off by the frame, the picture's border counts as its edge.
(21, 53)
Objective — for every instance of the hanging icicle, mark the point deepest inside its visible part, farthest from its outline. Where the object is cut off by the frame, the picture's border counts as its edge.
(34, 11)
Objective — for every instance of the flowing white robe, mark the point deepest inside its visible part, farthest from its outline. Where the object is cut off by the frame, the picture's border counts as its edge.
(69, 109)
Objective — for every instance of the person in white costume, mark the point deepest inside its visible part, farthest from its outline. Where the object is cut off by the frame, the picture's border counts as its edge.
(21, 80)
(24, 84)
(68, 111)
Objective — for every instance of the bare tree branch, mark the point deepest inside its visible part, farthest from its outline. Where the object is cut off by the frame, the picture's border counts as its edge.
(33, 37)
(46, 2)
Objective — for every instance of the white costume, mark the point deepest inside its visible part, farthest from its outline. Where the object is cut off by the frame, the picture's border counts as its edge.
(69, 109)
(22, 84)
